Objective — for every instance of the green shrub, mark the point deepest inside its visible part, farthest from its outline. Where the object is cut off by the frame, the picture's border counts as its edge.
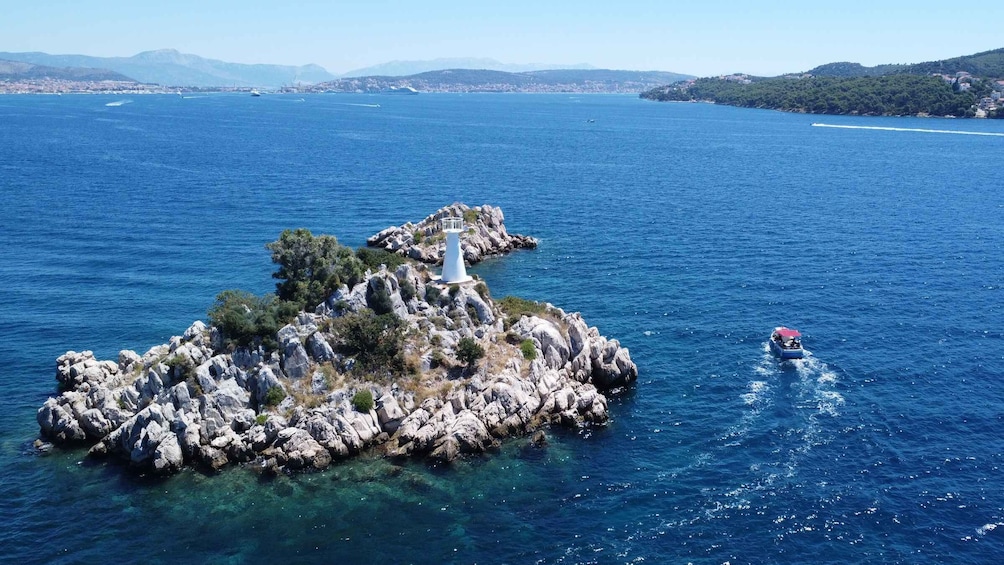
(407, 290)
(418, 236)
(246, 319)
(261, 419)
(274, 396)
(311, 268)
(470, 216)
(482, 289)
(516, 307)
(181, 368)
(528, 349)
(436, 340)
(362, 401)
(373, 257)
(431, 294)
(378, 296)
(376, 342)
(469, 351)
(454, 290)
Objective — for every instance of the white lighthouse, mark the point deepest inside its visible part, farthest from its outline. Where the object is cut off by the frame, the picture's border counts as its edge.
(453, 262)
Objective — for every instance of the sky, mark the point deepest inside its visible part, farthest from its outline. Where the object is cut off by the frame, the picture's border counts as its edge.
(700, 38)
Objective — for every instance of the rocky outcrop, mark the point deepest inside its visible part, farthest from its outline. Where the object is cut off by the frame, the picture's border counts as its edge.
(188, 402)
(485, 236)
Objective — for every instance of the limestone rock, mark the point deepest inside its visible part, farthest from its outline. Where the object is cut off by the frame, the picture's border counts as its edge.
(486, 236)
(319, 348)
(167, 458)
(295, 362)
(389, 413)
(189, 401)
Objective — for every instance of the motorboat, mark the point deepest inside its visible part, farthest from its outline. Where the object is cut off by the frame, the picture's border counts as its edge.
(786, 343)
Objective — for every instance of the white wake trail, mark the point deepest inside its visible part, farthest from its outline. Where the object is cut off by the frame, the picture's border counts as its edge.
(883, 128)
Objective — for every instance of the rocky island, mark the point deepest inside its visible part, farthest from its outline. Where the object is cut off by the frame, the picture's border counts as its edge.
(386, 359)
(486, 235)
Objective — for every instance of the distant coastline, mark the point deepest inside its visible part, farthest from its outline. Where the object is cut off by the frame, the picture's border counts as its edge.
(963, 87)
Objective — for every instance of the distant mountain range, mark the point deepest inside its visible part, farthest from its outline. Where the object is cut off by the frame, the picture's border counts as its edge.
(168, 67)
(407, 68)
(16, 70)
(478, 80)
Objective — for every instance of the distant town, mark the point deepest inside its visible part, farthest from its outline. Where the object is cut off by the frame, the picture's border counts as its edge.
(60, 86)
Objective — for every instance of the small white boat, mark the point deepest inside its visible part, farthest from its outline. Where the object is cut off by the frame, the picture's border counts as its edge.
(786, 343)
(254, 92)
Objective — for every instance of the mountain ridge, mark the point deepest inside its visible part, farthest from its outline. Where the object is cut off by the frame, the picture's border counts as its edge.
(17, 70)
(408, 68)
(169, 67)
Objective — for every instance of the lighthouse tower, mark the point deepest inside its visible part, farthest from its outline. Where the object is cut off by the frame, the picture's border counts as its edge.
(453, 263)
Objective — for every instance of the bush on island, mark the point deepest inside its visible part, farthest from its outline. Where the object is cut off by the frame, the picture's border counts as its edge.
(373, 257)
(311, 268)
(362, 401)
(376, 342)
(274, 396)
(469, 351)
(378, 296)
(246, 319)
(528, 349)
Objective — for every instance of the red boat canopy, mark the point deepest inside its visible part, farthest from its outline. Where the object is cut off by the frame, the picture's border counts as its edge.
(787, 332)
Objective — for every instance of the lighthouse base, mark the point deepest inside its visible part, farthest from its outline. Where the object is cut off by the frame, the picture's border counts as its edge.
(438, 280)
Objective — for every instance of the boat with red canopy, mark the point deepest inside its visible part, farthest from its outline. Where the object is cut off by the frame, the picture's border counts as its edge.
(786, 343)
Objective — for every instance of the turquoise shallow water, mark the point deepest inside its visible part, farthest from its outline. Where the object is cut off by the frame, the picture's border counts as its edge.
(686, 231)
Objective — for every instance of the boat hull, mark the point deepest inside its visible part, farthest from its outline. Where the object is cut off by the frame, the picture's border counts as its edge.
(784, 353)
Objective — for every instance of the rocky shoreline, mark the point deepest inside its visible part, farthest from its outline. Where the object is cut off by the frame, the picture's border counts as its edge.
(195, 402)
(486, 235)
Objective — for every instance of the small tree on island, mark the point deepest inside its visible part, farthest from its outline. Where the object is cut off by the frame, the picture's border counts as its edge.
(311, 268)
(469, 351)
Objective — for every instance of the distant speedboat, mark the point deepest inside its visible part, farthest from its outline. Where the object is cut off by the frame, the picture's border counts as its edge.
(254, 92)
(400, 90)
(786, 343)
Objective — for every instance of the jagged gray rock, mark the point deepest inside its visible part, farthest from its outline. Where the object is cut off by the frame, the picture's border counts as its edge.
(486, 236)
(189, 402)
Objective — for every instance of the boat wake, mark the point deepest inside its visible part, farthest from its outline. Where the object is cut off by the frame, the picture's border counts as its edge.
(359, 105)
(118, 103)
(921, 130)
(787, 409)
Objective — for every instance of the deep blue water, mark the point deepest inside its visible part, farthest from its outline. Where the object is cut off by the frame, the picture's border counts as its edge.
(686, 231)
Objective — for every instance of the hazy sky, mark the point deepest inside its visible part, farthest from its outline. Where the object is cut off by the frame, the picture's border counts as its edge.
(701, 38)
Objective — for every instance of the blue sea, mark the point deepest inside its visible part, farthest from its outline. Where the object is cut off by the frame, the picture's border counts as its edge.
(686, 231)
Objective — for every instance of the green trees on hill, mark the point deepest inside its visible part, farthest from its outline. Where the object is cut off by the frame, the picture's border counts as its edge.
(884, 95)
(984, 64)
